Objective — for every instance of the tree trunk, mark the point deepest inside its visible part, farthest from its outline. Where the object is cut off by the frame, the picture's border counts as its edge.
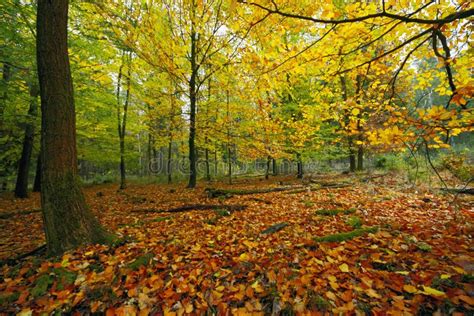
(299, 166)
(168, 163)
(229, 165)
(122, 118)
(267, 170)
(192, 106)
(21, 187)
(208, 167)
(352, 158)
(67, 220)
(37, 183)
(360, 158)
(274, 167)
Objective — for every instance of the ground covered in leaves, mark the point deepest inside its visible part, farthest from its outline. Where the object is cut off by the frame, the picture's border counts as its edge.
(367, 247)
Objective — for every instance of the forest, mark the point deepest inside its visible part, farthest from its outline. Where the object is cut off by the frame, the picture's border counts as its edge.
(236, 157)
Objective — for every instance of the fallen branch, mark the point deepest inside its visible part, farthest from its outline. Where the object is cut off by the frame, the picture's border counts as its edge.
(195, 207)
(20, 212)
(213, 193)
(274, 228)
(34, 252)
(459, 191)
(314, 188)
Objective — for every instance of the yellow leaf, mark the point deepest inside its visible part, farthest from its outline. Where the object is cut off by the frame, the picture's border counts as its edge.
(355, 111)
(430, 291)
(344, 267)
(403, 272)
(445, 276)
(409, 288)
(244, 257)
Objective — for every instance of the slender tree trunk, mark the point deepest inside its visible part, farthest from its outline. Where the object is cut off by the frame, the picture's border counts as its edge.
(168, 166)
(352, 158)
(267, 170)
(360, 158)
(67, 220)
(122, 118)
(274, 167)
(37, 183)
(21, 187)
(192, 106)
(208, 167)
(229, 164)
(299, 166)
(215, 163)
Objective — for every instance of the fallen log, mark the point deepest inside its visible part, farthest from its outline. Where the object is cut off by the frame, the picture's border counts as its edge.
(274, 228)
(35, 252)
(459, 191)
(195, 207)
(19, 212)
(213, 193)
(311, 189)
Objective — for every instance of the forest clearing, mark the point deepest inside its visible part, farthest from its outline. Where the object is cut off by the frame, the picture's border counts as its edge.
(236, 157)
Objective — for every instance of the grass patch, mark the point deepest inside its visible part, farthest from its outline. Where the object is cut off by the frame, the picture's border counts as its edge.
(339, 237)
(140, 261)
(354, 222)
(335, 212)
(222, 212)
(160, 219)
(423, 247)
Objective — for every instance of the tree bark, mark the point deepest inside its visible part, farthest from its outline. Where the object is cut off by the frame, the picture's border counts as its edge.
(168, 165)
(68, 222)
(360, 158)
(274, 167)
(192, 104)
(21, 187)
(267, 170)
(352, 158)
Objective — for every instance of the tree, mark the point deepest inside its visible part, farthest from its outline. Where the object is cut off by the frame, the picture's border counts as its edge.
(67, 220)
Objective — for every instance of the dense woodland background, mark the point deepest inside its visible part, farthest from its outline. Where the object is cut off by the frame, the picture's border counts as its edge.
(254, 89)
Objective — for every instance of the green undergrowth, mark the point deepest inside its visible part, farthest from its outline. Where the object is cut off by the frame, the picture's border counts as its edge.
(335, 212)
(339, 237)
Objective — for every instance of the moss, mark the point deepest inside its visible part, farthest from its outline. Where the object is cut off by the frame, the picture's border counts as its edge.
(9, 298)
(222, 212)
(308, 203)
(63, 277)
(41, 285)
(354, 222)
(212, 221)
(467, 278)
(346, 236)
(140, 261)
(335, 212)
(317, 302)
(160, 219)
(423, 247)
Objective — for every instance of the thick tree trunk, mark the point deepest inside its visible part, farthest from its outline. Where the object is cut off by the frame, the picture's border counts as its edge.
(21, 187)
(37, 183)
(67, 220)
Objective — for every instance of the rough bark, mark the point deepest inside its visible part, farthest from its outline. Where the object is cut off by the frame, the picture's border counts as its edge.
(68, 222)
(274, 167)
(21, 187)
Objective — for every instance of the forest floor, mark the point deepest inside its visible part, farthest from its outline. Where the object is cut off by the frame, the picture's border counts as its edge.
(372, 246)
